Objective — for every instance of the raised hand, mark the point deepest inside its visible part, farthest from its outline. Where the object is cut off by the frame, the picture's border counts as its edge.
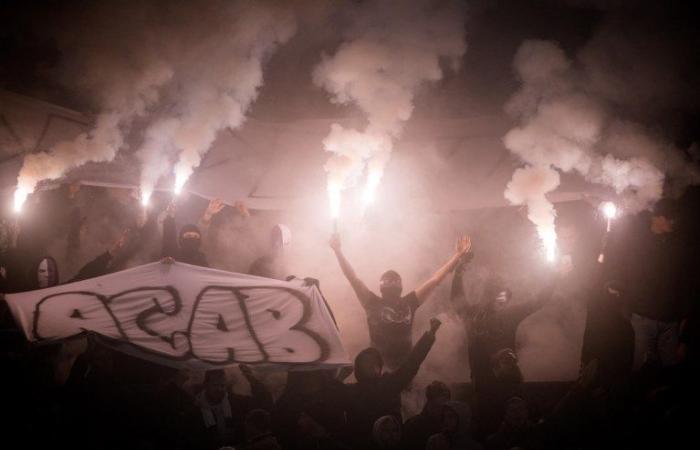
(335, 242)
(215, 206)
(242, 208)
(464, 244)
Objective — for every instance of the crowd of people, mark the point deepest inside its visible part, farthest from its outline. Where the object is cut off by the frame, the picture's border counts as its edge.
(636, 386)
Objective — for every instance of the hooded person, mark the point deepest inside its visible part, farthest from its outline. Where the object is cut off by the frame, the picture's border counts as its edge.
(419, 428)
(390, 315)
(185, 247)
(456, 429)
(386, 433)
(494, 320)
(378, 394)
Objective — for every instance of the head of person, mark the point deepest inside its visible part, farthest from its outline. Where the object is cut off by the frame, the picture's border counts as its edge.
(456, 418)
(280, 236)
(436, 395)
(190, 239)
(45, 273)
(215, 385)
(516, 414)
(257, 422)
(390, 285)
(497, 295)
(664, 217)
(504, 364)
(368, 364)
(386, 432)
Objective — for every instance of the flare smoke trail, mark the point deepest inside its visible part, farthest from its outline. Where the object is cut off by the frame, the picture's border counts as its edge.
(390, 49)
(221, 72)
(121, 68)
(567, 124)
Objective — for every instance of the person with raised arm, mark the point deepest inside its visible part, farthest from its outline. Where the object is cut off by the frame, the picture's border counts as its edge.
(390, 316)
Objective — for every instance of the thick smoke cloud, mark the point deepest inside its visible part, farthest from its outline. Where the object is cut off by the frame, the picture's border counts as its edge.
(187, 71)
(390, 49)
(123, 71)
(571, 119)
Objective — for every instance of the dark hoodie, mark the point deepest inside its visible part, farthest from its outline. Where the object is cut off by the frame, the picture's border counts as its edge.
(373, 397)
(178, 248)
(458, 439)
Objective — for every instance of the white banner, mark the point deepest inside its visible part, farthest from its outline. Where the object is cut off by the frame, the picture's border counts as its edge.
(184, 315)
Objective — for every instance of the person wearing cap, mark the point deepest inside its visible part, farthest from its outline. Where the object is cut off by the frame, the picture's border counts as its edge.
(390, 316)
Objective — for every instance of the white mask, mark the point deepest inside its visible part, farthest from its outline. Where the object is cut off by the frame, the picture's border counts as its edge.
(43, 273)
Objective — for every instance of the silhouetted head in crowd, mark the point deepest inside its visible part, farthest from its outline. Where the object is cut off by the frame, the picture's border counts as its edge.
(190, 239)
(390, 285)
(504, 364)
(436, 395)
(215, 385)
(257, 423)
(44, 274)
(663, 219)
(516, 414)
(386, 432)
(368, 364)
(456, 418)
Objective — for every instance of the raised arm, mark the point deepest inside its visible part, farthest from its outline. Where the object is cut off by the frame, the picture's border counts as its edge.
(361, 290)
(463, 246)
(458, 298)
(408, 370)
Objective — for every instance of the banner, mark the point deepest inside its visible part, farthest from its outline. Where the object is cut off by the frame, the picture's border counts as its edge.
(183, 315)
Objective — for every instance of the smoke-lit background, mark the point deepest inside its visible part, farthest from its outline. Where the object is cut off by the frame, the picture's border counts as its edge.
(603, 92)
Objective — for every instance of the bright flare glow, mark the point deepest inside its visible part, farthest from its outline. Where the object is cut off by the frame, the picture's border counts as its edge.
(370, 192)
(549, 241)
(179, 183)
(146, 198)
(609, 209)
(21, 195)
(334, 198)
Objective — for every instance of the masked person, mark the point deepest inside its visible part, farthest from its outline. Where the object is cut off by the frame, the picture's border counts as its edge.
(390, 316)
(494, 320)
(186, 247)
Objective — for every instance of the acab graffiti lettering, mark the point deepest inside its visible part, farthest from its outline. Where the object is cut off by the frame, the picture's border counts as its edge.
(223, 325)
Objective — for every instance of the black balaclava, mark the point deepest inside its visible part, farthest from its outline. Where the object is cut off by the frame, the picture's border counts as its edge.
(190, 246)
(390, 285)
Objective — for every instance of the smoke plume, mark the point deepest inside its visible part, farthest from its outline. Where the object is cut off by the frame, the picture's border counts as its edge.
(220, 72)
(390, 49)
(121, 69)
(570, 119)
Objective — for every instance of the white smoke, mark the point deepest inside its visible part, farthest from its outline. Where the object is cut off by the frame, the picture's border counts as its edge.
(221, 69)
(390, 49)
(101, 144)
(120, 68)
(567, 123)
